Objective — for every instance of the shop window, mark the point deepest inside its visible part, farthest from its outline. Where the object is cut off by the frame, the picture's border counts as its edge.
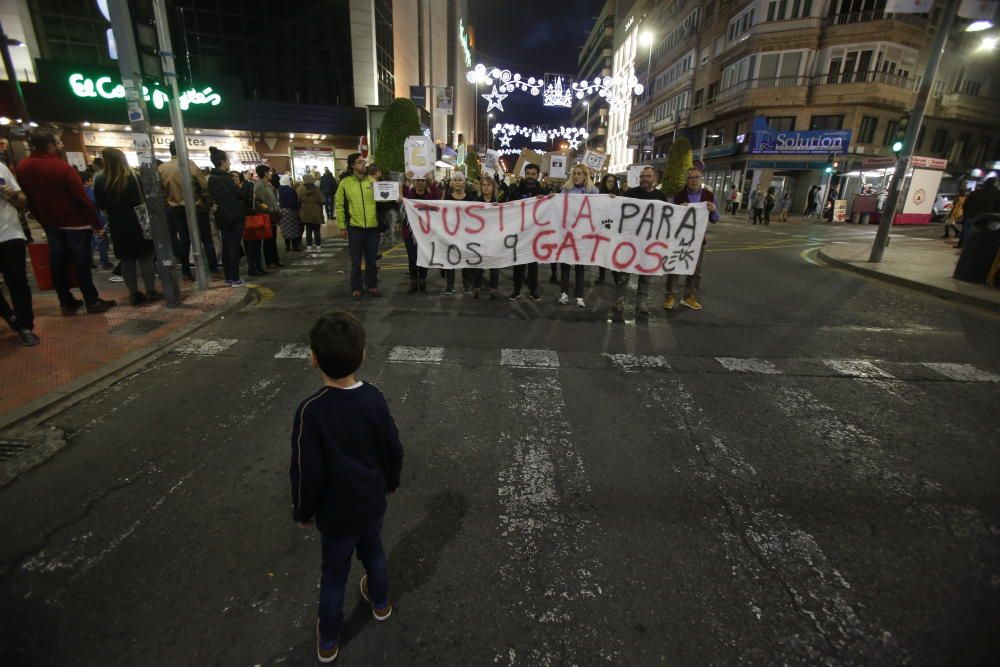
(780, 123)
(866, 133)
(939, 141)
(827, 122)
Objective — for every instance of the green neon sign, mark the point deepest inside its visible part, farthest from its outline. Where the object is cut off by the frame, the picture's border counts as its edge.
(105, 87)
(463, 39)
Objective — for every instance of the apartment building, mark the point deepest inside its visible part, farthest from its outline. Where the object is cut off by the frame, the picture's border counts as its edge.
(717, 67)
(595, 60)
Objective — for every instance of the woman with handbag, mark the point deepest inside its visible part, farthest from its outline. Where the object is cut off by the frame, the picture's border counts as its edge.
(231, 211)
(291, 227)
(117, 191)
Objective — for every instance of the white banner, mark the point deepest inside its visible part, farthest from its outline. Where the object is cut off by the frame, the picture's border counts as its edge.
(619, 233)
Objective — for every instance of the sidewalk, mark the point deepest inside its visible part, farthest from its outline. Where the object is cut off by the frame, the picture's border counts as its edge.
(81, 350)
(922, 264)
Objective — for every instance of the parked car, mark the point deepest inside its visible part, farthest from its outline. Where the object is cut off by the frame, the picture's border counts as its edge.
(942, 205)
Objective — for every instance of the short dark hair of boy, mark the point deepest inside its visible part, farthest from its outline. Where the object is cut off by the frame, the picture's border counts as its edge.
(338, 341)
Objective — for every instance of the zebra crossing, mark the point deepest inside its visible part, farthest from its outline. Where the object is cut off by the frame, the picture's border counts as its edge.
(518, 358)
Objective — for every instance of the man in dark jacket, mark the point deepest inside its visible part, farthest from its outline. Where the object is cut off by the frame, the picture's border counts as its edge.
(60, 204)
(984, 199)
(692, 193)
(328, 186)
(527, 188)
(645, 190)
(232, 204)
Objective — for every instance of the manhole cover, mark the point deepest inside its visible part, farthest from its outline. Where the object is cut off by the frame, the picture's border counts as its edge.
(137, 327)
(11, 448)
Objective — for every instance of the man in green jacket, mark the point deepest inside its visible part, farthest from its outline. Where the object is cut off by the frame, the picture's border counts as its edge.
(355, 206)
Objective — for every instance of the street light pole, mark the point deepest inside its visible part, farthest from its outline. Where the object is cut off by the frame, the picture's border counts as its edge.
(913, 130)
(180, 142)
(138, 115)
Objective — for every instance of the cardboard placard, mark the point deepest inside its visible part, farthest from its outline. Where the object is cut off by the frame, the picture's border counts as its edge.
(594, 160)
(555, 166)
(633, 174)
(491, 161)
(419, 154)
(527, 156)
(386, 191)
(77, 160)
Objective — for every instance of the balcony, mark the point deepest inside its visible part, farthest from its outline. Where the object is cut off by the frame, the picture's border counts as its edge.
(754, 93)
(966, 107)
(875, 88)
(907, 29)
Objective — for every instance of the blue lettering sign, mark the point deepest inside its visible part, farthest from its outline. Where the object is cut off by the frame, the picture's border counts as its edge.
(766, 141)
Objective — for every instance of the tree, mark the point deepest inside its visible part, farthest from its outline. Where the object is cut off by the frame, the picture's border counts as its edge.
(473, 168)
(401, 121)
(679, 160)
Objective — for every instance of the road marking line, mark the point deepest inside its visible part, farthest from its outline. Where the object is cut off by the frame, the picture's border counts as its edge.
(632, 362)
(857, 368)
(308, 262)
(416, 355)
(546, 359)
(962, 372)
(294, 351)
(756, 366)
(205, 347)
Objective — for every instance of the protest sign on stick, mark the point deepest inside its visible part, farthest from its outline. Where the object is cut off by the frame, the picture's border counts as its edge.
(555, 166)
(632, 175)
(620, 233)
(528, 156)
(491, 161)
(594, 160)
(420, 154)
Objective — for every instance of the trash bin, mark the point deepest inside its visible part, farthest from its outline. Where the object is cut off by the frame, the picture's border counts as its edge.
(980, 249)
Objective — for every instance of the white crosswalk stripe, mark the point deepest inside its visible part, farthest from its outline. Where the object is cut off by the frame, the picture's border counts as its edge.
(962, 372)
(293, 351)
(416, 355)
(756, 366)
(857, 368)
(630, 363)
(529, 358)
(205, 347)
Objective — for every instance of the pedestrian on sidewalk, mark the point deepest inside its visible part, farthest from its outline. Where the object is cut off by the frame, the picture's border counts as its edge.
(458, 193)
(311, 203)
(954, 220)
(580, 184)
(291, 227)
(527, 188)
(645, 190)
(769, 201)
(100, 242)
(355, 211)
(328, 186)
(13, 266)
(171, 176)
(119, 194)
(812, 202)
(57, 199)
(692, 193)
(757, 205)
(608, 186)
(266, 200)
(785, 207)
(733, 199)
(489, 193)
(346, 457)
(984, 199)
(232, 202)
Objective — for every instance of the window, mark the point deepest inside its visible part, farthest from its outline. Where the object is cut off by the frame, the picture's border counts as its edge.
(665, 79)
(778, 123)
(826, 122)
(867, 130)
(970, 87)
(705, 52)
(779, 69)
(743, 126)
(779, 10)
(965, 139)
(685, 29)
(890, 132)
(698, 97)
(740, 25)
(672, 107)
(939, 141)
(920, 137)
(738, 72)
(713, 91)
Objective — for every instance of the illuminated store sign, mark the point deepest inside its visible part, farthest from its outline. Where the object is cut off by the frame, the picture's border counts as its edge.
(105, 87)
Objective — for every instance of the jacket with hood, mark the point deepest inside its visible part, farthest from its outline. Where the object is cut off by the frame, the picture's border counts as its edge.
(231, 200)
(311, 202)
(328, 184)
(286, 194)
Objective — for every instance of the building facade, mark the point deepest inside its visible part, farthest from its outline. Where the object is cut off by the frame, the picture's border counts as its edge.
(596, 60)
(821, 66)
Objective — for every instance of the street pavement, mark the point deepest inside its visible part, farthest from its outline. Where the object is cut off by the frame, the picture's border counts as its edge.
(805, 472)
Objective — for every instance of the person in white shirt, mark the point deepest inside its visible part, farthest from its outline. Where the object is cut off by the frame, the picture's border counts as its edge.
(13, 246)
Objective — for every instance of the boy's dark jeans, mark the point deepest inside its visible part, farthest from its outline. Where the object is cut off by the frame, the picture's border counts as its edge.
(337, 551)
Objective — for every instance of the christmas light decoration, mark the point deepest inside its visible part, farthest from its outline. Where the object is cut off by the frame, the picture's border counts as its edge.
(556, 95)
(615, 90)
(494, 99)
(506, 131)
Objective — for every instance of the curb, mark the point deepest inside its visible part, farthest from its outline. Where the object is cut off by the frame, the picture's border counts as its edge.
(86, 386)
(947, 294)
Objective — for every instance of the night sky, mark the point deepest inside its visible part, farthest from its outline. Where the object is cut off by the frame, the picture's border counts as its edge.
(532, 38)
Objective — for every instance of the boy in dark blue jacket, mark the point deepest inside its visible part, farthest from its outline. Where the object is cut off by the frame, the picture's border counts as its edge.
(346, 456)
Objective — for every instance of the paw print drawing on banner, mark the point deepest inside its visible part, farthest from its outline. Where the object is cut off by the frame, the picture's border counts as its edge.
(607, 222)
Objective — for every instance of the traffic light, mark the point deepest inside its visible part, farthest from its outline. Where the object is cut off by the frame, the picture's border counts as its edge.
(901, 125)
(830, 163)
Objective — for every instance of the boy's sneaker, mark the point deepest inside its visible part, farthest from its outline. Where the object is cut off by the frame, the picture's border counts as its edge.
(380, 613)
(326, 651)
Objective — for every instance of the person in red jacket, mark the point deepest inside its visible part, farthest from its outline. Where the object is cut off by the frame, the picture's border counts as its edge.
(61, 206)
(692, 192)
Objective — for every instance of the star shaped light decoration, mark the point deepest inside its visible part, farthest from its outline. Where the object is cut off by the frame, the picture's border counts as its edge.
(494, 99)
(574, 143)
(505, 141)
